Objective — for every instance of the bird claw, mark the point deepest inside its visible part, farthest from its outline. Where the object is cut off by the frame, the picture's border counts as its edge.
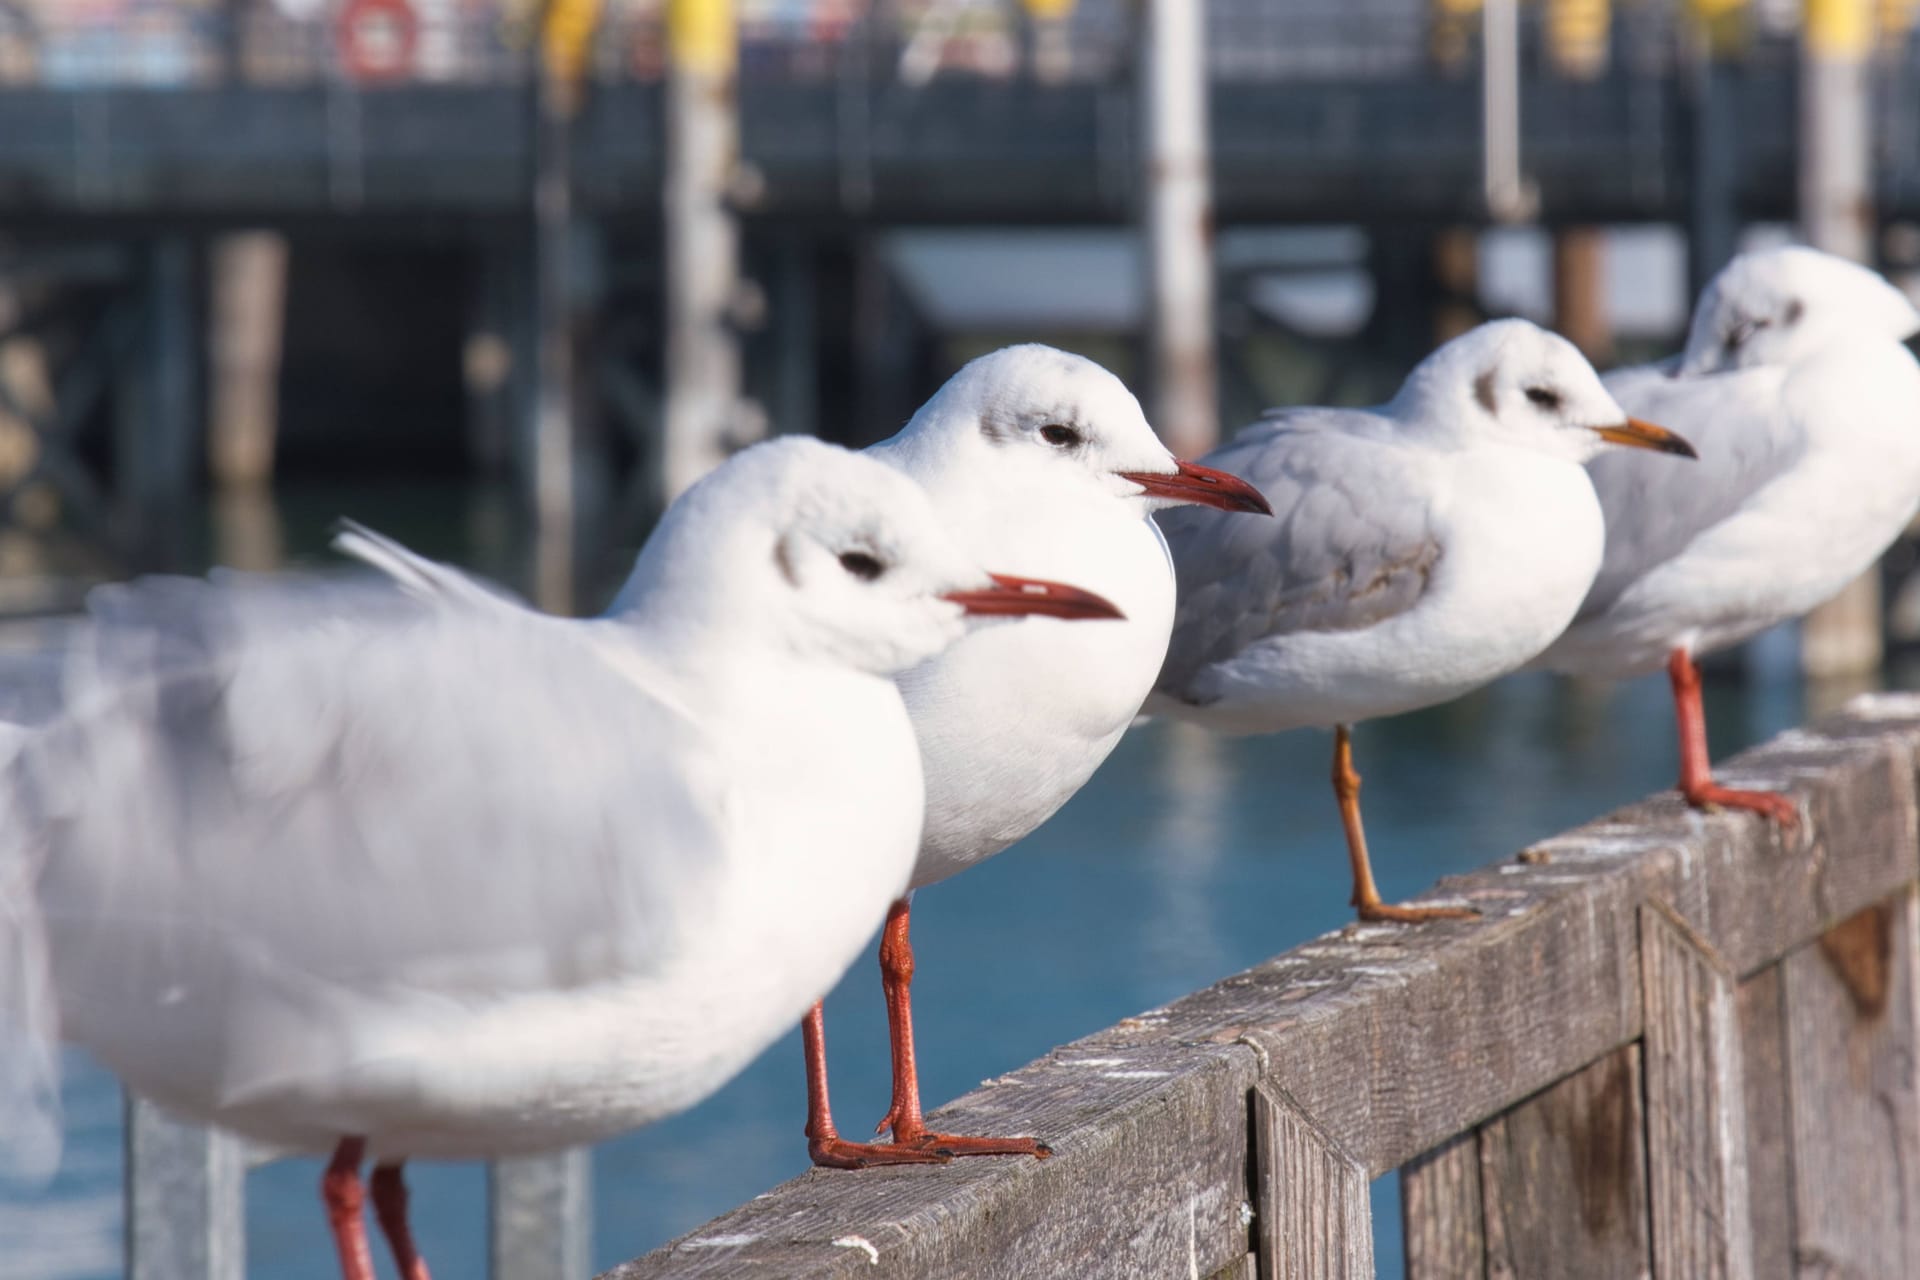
(960, 1145)
(1768, 804)
(1378, 912)
(836, 1153)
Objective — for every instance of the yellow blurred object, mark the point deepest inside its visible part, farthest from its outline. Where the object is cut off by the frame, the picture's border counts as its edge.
(566, 37)
(702, 36)
(1577, 33)
(1841, 29)
(1048, 10)
(1723, 22)
(1897, 18)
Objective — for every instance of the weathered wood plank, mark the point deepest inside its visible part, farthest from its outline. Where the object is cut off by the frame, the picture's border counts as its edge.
(1149, 1177)
(1563, 1178)
(1853, 1092)
(1393, 1039)
(1763, 1074)
(185, 1199)
(1454, 1022)
(1441, 1214)
(1313, 1218)
(1695, 1105)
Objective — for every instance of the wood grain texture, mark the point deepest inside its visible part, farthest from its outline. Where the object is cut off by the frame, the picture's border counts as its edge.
(1763, 1074)
(1313, 1218)
(1563, 1179)
(1853, 1095)
(1695, 1105)
(1394, 1040)
(1441, 1212)
(1149, 1177)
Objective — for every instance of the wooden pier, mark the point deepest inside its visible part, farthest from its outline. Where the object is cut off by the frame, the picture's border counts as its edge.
(1674, 1045)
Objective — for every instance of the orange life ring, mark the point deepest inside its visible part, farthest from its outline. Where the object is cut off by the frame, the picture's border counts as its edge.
(377, 38)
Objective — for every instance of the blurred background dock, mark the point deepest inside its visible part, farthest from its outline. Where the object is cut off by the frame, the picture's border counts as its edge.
(496, 275)
(254, 241)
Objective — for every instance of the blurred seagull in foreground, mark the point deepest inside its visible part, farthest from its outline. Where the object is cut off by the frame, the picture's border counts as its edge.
(1039, 461)
(1422, 549)
(1806, 407)
(404, 869)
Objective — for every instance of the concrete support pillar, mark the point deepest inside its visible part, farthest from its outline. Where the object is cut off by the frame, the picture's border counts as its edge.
(246, 320)
(1580, 291)
(1836, 214)
(703, 394)
(1178, 222)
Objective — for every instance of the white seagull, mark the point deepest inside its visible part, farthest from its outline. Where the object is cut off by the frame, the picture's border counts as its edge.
(1042, 462)
(1421, 550)
(405, 869)
(1806, 408)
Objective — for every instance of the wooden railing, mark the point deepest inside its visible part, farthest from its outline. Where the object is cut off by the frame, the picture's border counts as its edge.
(1674, 1044)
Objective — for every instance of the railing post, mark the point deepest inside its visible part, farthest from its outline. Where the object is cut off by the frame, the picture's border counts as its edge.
(1853, 1091)
(186, 1204)
(1696, 1106)
(541, 1216)
(1313, 1219)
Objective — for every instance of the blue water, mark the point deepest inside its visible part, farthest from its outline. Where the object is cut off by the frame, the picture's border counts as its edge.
(1186, 859)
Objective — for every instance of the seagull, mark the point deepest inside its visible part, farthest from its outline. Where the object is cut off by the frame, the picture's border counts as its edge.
(1422, 549)
(401, 868)
(1039, 461)
(1797, 387)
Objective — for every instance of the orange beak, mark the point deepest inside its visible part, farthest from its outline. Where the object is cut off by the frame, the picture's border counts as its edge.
(1636, 434)
(1013, 597)
(1195, 483)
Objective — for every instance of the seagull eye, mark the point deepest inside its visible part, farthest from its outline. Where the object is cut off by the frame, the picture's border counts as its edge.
(861, 565)
(1545, 398)
(1058, 436)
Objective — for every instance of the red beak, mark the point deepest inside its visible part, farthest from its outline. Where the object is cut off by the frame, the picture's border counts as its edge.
(1195, 483)
(1019, 597)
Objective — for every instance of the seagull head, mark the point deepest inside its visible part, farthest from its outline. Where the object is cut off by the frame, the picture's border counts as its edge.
(829, 555)
(1775, 306)
(1060, 426)
(1513, 381)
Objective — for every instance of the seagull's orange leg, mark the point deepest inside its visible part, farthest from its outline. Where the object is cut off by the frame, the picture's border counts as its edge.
(824, 1143)
(346, 1198)
(390, 1206)
(909, 1128)
(1366, 898)
(1696, 767)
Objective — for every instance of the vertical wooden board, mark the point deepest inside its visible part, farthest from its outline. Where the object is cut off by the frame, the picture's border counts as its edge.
(540, 1212)
(1313, 1210)
(1441, 1212)
(1563, 1178)
(186, 1199)
(1763, 1078)
(1853, 1113)
(1695, 1105)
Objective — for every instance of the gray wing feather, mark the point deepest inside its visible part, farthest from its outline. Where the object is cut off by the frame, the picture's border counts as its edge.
(1745, 437)
(353, 785)
(1350, 544)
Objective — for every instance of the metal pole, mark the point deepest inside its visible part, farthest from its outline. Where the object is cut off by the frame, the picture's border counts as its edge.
(1179, 225)
(1841, 637)
(703, 389)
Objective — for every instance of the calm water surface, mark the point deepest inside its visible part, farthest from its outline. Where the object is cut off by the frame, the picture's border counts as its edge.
(1187, 858)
